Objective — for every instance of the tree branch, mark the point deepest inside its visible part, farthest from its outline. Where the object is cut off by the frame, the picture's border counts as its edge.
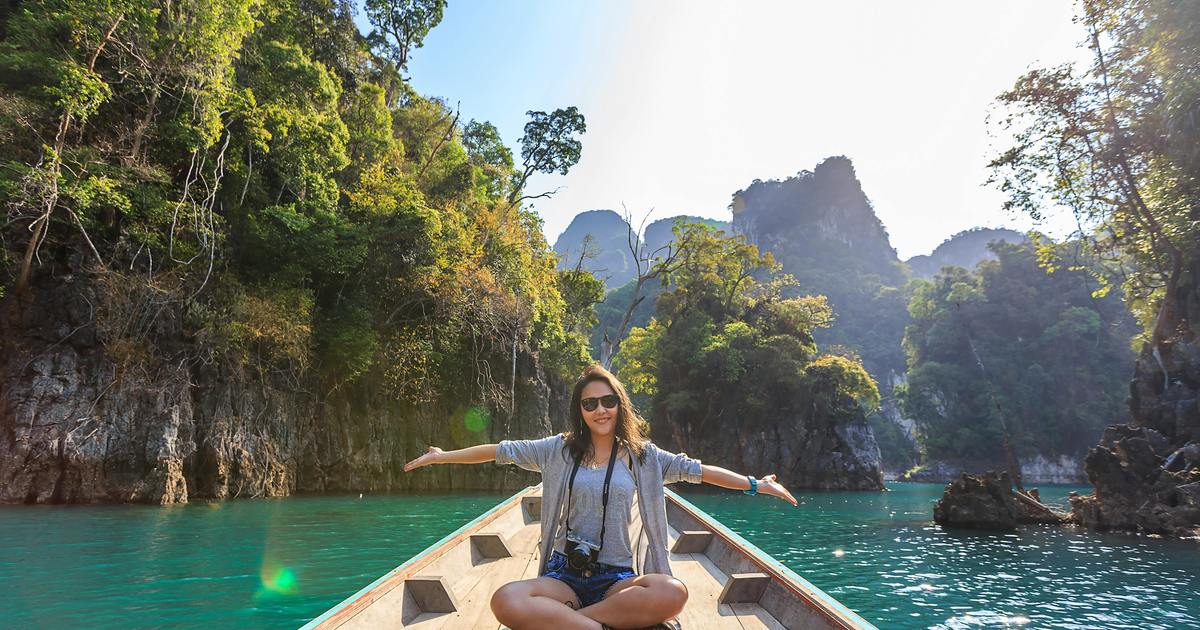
(445, 137)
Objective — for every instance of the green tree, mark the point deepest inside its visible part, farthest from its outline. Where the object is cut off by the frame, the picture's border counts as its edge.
(261, 170)
(401, 25)
(1013, 343)
(488, 153)
(1116, 144)
(549, 145)
(726, 347)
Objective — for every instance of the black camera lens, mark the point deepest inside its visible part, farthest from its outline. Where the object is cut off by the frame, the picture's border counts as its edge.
(578, 559)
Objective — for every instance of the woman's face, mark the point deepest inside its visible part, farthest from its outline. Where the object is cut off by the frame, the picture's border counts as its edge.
(600, 420)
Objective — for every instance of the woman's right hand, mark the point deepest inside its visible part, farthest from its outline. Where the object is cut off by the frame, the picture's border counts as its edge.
(430, 457)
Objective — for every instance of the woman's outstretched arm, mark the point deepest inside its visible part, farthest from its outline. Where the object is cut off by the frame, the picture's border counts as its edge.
(470, 455)
(718, 476)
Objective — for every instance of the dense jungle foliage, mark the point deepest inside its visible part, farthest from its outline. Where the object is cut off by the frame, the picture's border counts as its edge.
(726, 348)
(270, 172)
(1011, 343)
(1117, 144)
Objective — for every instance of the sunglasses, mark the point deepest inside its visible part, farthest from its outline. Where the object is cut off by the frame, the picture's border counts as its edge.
(610, 402)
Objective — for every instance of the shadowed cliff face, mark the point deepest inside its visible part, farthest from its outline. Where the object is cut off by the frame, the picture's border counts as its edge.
(607, 252)
(807, 452)
(660, 233)
(821, 227)
(1146, 474)
(609, 257)
(75, 427)
(965, 249)
(824, 210)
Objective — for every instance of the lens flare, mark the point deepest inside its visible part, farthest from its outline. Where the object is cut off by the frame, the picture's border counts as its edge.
(280, 580)
(477, 419)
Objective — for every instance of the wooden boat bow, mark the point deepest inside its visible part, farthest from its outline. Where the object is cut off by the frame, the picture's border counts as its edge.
(731, 583)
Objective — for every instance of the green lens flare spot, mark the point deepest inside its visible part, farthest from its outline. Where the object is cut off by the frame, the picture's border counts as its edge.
(282, 580)
(477, 419)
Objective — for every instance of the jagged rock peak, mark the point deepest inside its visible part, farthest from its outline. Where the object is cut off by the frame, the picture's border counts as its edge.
(816, 210)
(659, 232)
(609, 257)
(608, 250)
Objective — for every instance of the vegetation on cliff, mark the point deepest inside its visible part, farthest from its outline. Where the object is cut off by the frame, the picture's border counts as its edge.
(1012, 342)
(727, 353)
(964, 249)
(267, 170)
(822, 229)
(1118, 145)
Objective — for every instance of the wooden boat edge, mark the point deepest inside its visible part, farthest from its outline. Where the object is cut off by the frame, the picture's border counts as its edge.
(834, 611)
(369, 594)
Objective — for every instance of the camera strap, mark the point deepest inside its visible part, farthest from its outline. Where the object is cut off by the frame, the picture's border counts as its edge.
(612, 459)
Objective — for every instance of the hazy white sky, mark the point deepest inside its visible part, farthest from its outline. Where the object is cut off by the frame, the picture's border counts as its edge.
(690, 101)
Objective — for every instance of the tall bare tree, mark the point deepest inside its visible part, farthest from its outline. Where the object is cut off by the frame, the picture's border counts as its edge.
(649, 265)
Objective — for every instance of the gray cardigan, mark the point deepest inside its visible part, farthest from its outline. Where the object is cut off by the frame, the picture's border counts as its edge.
(549, 456)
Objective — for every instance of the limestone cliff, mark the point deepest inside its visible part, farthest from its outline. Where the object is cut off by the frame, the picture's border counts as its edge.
(965, 249)
(821, 226)
(659, 233)
(1036, 470)
(77, 427)
(602, 238)
(818, 217)
(807, 452)
(1146, 474)
(607, 246)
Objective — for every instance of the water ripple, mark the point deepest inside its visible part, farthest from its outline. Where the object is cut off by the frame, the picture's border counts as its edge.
(908, 572)
(879, 553)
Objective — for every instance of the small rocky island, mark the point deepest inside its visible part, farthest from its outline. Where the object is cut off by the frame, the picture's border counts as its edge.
(989, 502)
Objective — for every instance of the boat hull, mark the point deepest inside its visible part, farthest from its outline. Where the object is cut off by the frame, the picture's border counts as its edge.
(731, 583)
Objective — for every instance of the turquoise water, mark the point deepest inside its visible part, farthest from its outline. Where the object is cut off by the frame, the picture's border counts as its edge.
(268, 563)
(278, 563)
(883, 557)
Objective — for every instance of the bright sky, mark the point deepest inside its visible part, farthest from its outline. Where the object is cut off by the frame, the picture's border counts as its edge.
(688, 101)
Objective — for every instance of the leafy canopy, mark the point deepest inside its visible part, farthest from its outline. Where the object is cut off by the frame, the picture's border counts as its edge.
(726, 346)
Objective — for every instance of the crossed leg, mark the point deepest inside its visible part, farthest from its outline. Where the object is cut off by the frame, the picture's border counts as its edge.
(642, 600)
(537, 604)
(546, 603)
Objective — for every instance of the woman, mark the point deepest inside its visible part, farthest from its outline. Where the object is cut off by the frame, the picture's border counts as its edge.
(590, 477)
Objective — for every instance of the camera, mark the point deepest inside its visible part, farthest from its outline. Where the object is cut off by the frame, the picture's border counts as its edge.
(581, 555)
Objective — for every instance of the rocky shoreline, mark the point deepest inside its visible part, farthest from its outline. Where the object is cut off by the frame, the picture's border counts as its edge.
(1146, 473)
(1143, 483)
(1039, 470)
(989, 502)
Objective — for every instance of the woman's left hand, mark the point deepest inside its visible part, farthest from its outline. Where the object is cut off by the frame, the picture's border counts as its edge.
(769, 485)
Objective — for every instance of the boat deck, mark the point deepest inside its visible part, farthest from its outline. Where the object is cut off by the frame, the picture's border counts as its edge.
(731, 584)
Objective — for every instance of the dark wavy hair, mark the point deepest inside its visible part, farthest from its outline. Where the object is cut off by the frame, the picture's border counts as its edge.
(631, 429)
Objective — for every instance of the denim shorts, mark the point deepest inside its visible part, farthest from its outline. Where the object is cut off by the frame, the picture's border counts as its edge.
(588, 590)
